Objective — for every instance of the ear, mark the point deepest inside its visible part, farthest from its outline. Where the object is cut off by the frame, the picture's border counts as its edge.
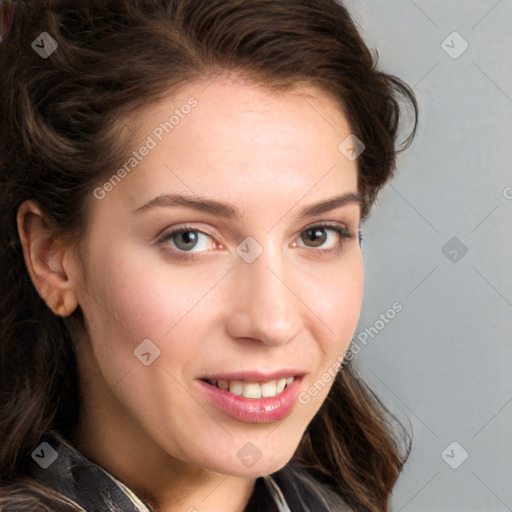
(48, 260)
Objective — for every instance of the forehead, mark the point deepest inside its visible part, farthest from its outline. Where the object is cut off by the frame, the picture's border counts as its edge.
(241, 142)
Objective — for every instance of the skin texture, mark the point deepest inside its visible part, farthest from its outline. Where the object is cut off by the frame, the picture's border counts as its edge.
(270, 155)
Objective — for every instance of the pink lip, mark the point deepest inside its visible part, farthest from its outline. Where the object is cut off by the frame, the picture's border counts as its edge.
(252, 410)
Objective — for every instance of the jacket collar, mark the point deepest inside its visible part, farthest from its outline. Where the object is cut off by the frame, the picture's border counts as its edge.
(80, 479)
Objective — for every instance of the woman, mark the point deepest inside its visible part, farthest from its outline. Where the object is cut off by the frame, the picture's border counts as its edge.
(183, 183)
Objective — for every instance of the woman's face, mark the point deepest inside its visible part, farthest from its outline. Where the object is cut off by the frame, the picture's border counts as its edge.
(262, 284)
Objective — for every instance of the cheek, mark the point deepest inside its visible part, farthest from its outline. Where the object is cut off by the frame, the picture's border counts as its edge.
(141, 298)
(337, 310)
(336, 297)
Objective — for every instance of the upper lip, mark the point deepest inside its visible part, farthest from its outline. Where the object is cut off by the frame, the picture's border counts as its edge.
(256, 375)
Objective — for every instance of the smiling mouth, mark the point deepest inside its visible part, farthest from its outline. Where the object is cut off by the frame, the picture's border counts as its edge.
(256, 390)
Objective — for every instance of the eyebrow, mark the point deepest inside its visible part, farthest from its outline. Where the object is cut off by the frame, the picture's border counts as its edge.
(232, 212)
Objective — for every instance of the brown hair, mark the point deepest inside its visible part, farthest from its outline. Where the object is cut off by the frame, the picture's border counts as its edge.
(61, 136)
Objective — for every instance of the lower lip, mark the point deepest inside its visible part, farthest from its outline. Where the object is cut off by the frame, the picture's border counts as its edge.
(253, 410)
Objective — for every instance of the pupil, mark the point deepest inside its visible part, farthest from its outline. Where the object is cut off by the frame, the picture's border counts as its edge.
(316, 235)
(189, 238)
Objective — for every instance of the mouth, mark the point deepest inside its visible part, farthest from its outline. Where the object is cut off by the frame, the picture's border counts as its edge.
(252, 389)
(253, 397)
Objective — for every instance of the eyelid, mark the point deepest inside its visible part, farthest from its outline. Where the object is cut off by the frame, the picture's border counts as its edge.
(332, 224)
(179, 228)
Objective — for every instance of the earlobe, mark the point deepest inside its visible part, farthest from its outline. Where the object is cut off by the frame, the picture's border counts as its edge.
(45, 259)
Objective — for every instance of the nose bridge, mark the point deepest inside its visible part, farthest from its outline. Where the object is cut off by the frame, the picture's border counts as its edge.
(265, 308)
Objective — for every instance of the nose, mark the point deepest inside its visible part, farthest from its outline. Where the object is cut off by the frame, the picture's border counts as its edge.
(265, 307)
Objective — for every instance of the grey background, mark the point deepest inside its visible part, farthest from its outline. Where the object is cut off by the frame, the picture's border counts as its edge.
(442, 361)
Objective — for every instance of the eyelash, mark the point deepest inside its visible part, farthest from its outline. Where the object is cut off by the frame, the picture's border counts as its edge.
(343, 232)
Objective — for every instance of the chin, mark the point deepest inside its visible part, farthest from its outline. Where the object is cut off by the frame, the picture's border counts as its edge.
(249, 462)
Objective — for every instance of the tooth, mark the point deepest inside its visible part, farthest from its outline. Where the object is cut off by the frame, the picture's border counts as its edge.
(281, 383)
(223, 384)
(252, 390)
(236, 387)
(268, 389)
(289, 380)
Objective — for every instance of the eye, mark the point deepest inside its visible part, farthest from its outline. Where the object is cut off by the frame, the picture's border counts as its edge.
(187, 239)
(327, 237)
